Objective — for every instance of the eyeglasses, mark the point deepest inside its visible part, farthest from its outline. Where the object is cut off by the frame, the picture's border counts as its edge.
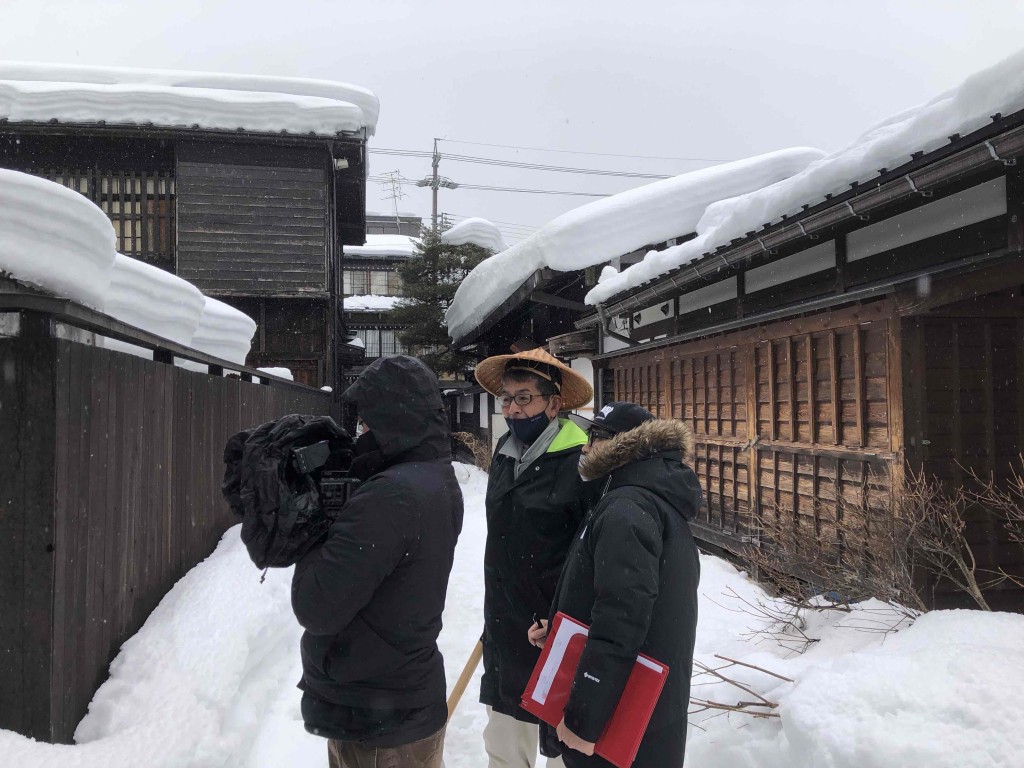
(595, 435)
(523, 398)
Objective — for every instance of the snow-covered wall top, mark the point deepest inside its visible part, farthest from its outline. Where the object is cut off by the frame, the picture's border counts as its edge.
(154, 300)
(476, 231)
(888, 144)
(384, 245)
(600, 231)
(42, 92)
(224, 331)
(55, 239)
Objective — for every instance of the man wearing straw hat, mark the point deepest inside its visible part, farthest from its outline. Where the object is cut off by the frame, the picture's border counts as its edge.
(535, 502)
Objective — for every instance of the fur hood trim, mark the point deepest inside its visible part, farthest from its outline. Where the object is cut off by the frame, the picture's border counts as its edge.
(641, 443)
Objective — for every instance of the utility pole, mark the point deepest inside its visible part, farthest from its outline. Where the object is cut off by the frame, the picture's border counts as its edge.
(435, 181)
(434, 184)
(393, 179)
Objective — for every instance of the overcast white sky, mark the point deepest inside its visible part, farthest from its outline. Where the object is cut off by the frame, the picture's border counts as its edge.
(713, 79)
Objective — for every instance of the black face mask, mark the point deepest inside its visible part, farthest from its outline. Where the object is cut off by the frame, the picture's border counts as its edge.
(530, 428)
(367, 456)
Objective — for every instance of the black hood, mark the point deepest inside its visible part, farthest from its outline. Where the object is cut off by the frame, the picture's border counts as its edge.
(398, 398)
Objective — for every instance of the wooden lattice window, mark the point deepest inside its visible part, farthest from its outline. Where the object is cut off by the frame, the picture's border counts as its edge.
(140, 205)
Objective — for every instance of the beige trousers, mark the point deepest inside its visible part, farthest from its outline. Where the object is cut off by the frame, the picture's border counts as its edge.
(511, 743)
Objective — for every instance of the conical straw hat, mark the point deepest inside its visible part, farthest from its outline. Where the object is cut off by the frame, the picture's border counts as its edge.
(574, 389)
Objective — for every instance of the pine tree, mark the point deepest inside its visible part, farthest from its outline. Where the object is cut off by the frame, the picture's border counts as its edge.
(430, 278)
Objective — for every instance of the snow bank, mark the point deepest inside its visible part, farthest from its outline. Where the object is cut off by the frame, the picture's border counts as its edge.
(613, 226)
(371, 303)
(476, 231)
(888, 144)
(210, 678)
(384, 245)
(224, 332)
(54, 238)
(41, 92)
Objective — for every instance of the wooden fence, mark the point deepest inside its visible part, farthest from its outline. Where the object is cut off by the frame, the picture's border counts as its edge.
(109, 493)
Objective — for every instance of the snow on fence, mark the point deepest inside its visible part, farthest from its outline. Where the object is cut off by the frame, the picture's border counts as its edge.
(112, 494)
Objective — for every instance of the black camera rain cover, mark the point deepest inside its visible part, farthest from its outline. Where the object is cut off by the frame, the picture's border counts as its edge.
(279, 507)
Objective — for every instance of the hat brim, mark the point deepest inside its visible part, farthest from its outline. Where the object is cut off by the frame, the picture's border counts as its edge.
(575, 390)
(592, 427)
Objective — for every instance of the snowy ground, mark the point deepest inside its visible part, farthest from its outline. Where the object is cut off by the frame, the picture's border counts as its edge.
(210, 680)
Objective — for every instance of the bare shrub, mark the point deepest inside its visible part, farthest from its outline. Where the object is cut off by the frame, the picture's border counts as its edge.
(1005, 501)
(480, 450)
(755, 705)
(886, 552)
(864, 554)
(936, 518)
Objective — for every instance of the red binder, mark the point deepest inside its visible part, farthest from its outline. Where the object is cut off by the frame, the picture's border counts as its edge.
(547, 693)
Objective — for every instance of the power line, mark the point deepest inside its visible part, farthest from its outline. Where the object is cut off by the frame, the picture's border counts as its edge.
(530, 191)
(517, 164)
(551, 168)
(496, 221)
(490, 188)
(580, 152)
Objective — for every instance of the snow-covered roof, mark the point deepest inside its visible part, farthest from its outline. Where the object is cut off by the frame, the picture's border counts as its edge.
(384, 246)
(613, 226)
(889, 144)
(370, 303)
(31, 92)
(55, 239)
(391, 215)
(476, 231)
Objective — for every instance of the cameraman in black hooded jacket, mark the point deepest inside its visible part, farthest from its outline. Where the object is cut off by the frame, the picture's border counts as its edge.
(371, 597)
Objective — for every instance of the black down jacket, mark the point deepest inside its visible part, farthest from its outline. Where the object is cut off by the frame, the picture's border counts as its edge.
(632, 575)
(530, 524)
(371, 598)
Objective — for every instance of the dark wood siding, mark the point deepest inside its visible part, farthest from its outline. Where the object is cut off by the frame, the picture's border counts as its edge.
(113, 495)
(791, 417)
(964, 400)
(247, 227)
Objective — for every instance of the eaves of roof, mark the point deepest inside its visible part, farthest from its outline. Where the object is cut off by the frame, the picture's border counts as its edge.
(149, 130)
(1003, 138)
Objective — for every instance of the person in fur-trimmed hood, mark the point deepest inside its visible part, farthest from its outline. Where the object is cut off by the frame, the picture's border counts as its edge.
(632, 575)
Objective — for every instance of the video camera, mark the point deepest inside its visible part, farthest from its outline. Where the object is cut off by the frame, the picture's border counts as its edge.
(332, 484)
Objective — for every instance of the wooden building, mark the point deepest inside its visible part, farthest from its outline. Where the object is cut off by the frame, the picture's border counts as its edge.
(255, 217)
(820, 356)
(372, 285)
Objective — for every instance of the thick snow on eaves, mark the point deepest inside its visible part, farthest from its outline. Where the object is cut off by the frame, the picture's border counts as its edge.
(476, 231)
(602, 230)
(384, 245)
(36, 92)
(888, 144)
(224, 332)
(154, 300)
(55, 239)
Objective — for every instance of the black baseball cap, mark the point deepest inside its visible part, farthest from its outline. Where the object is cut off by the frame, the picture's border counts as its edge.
(614, 418)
